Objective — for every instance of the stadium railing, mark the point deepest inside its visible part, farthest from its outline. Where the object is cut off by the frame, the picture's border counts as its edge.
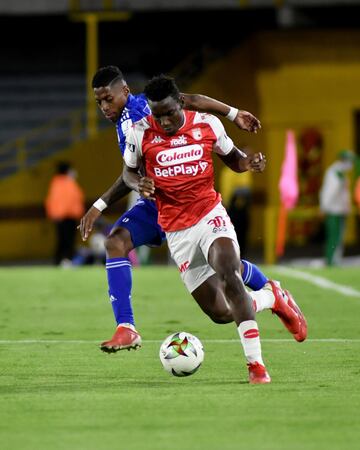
(42, 142)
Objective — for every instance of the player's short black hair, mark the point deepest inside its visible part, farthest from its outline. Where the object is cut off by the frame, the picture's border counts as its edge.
(160, 87)
(106, 75)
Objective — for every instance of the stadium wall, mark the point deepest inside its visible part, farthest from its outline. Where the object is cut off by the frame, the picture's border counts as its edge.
(26, 233)
(291, 80)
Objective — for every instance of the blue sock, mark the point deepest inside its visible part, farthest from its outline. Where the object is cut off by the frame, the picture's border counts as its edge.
(120, 284)
(252, 276)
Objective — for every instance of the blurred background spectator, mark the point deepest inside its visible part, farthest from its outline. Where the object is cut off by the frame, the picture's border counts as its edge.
(335, 203)
(357, 183)
(64, 206)
(357, 193)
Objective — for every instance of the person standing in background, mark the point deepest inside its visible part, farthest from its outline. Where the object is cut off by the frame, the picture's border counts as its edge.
(357, 192)
(64, 205)
(335, 203)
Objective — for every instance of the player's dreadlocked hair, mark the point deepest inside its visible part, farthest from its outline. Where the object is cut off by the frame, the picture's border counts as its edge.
(106, 75)
(160, 87)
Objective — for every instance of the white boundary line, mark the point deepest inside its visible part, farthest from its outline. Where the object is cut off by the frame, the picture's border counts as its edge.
(317, 281)
(152, 341)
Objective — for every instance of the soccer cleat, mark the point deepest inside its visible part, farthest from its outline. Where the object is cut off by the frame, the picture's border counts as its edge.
(288, 315)
(258, 374)
(302, 333)
(124, 339)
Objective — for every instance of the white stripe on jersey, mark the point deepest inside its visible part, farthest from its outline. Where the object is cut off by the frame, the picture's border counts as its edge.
(224, 143)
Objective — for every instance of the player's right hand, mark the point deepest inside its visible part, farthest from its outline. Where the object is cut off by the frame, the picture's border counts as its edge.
(87, 222)
(147, 188)
(257, 162)
(247, 121)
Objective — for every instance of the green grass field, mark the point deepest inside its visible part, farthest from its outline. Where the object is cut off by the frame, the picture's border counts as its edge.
(58, 391)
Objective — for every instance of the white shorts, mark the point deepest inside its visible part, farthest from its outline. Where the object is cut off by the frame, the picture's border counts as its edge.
(189, 248)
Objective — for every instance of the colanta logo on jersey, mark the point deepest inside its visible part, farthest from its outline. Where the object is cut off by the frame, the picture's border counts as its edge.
(181, 155)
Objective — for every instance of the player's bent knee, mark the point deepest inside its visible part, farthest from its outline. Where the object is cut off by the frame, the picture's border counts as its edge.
(234, 284)
(227, 318)
(114, 245)
(223, 316)
(230, 276)
(118, 244)
(222, 320)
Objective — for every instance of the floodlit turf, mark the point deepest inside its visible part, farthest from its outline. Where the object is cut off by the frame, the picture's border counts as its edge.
(56, 394)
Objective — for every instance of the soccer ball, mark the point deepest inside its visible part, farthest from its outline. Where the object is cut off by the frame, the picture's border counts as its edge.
(181, 354)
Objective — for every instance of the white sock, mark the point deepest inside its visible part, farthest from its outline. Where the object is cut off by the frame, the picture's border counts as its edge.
(250, 340)
(127, 325)
(262, 299)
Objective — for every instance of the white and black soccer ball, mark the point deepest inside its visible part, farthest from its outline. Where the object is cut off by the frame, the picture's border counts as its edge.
(181, 354)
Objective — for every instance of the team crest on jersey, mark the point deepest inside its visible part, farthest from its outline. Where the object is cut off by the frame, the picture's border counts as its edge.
(157, 140)
(197, 134)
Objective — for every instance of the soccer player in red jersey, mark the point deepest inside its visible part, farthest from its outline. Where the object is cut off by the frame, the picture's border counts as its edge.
(138, 226)
(175, 146)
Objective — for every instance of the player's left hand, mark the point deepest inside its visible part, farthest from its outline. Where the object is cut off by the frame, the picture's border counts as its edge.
(147, 188)
(257, 162)
(246, 121)
(87, 222)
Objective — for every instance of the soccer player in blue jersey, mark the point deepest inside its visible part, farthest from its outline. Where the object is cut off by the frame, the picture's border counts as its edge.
(139, 226)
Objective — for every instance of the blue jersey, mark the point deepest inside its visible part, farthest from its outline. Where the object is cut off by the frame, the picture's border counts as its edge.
(141, 219)
(135, 109)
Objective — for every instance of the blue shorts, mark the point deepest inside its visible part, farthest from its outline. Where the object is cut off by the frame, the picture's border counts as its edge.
(141, 221)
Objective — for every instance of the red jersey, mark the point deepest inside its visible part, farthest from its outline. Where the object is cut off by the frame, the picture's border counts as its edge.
(181, 165)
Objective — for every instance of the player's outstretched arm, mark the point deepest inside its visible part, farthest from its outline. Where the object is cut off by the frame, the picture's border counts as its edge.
(117, 191)
(201, 103)
(239, 161)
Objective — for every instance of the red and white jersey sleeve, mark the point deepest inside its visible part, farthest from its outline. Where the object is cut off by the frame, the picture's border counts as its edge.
(224, 143)
(181, 166)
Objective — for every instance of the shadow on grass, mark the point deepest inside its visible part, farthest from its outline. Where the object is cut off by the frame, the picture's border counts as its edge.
(119, 384)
